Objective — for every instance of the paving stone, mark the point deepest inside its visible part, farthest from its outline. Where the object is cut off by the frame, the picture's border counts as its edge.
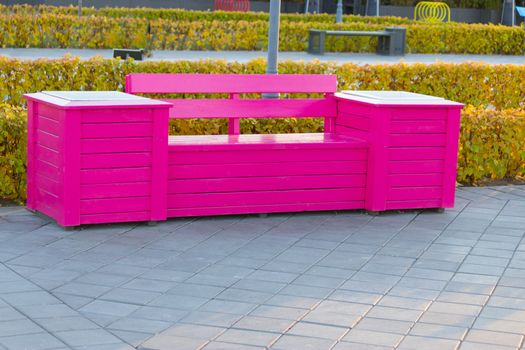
(292, 301)
(404, 303)
(392, 313)
(37, 341)
(133, 324)
(82, 289)
(279, 312)
(57, 324)
(355, 297)
(18, 327)
(248, 337)
(226, 306)
(216, 345)
(159, 313)
(342, 307)
(455, 308)
(46, 311)
(87, 337)
(150, 285)
(438, 331)
(293, 342)
(217, 319)
(306, 291)
(193, 331)
(359, 346)
(248, 296)
(168, 342)
(417, 343)
(131, 296)
(10, 314)
(491, 324)
(110, 308)
(318, 330)
(463, 298)
(373, 337)
(183, 302)
(384, 326)
(133, 338)
(496, 338)
(479, 346)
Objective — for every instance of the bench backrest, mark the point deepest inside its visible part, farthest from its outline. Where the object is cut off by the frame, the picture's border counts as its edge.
(234, 85)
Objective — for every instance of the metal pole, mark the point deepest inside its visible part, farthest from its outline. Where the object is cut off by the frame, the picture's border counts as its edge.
(339, 12)
(79, 8)
(273, 41)
(306, 10)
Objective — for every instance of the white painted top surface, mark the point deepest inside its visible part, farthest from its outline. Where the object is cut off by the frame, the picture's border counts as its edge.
(401, 98)
(92, 95)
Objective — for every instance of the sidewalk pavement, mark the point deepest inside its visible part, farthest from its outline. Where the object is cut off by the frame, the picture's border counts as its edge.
(244, 56)
(341, 281)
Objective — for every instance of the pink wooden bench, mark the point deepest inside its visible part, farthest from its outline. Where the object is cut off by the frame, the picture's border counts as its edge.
(111, 160)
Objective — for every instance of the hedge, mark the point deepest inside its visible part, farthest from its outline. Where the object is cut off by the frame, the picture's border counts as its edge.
(492, 145)
(493, 86)
(188, 15)
(66, 31)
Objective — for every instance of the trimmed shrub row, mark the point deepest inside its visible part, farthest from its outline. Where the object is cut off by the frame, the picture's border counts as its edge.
(67, 31)
(492, 86)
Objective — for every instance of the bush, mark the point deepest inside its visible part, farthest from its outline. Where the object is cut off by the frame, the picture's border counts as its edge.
(493, 86)
(67, 31)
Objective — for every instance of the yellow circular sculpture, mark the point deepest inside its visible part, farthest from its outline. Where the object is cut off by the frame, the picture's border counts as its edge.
(430, 11)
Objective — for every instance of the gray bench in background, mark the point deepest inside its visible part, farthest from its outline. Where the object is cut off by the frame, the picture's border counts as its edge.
(391, 41)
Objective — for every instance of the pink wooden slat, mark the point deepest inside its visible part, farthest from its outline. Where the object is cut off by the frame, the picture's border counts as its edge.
(408, 180)
(417, 140)
(115, 130)
(70, 181)
(230, 83)
(263, 142)
(32, 125)
(115, 160)
(48, 125)
(47, 203)
(114, 205)
(175, 156)
(354, 121)
(101, 176)
(417, 127)
(47, 184)
(109, 116)
(413, 204)
(416, 167)
(419, 113)
(47, 169)
(127, 144)
(416, 153)
(114, 190)
(251, 108)
(159, 165)
(274, 208)
(413, 193)
(265, 183)
(48, 112)
(114, 217)
(46, 154)
(265, 197)
(451, 160)
(357, 134)
(47, 140)
(346, 107)
(265, 169)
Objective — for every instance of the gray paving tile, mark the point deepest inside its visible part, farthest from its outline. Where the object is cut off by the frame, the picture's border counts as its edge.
(427, 343)
(58, 324)
(384, 326)
(392, 313)
(167, 342)
(182, 302)
(455, 308)
(496, 338)
(247, 296)
(318, 330)
(216, 319)
(37, 341)
(134, 324)
(447, 319)
(279, 312)
(480, 346)
(404, 303)
(216, 345)
(241, 336)
(193, 331)
(438, 331)
(159, 313)
(18, 327)
(293, 342)
(227, 306)
(373, 337)
(130, 296)
(496, 325)
(87, 337)
(82, 289)
(355, 297)
(359, 346)
(109, 308)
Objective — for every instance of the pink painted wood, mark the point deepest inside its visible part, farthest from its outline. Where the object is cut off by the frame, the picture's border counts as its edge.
(93, 162)
(102, 160)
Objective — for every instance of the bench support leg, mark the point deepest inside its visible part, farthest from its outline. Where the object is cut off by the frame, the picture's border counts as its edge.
(316, 41)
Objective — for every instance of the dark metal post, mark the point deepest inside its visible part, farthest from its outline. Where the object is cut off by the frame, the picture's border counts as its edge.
(339, 12)
(79, 8)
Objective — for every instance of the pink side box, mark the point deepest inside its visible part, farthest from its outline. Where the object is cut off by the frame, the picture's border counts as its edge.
(96, 157)
(413, 146)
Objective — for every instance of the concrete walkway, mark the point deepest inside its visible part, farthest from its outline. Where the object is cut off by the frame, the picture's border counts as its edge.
(244, 56)
(418, 280)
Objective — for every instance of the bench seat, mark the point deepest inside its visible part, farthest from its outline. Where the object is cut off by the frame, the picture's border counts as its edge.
(266, 141)
(235, 174)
